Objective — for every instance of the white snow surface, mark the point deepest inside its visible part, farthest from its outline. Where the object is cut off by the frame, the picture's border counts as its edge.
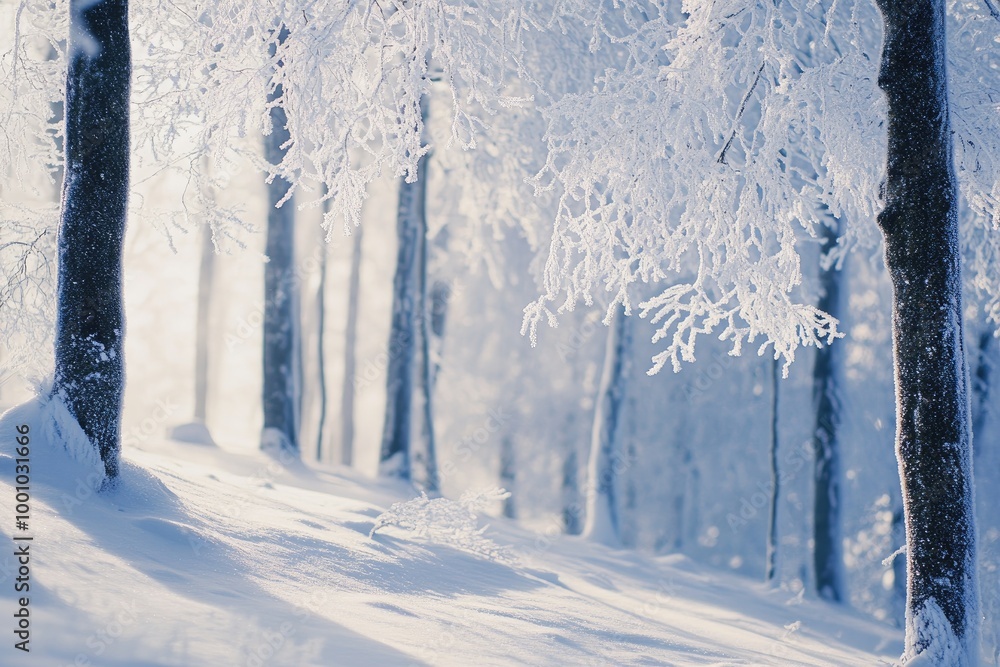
(204, 556)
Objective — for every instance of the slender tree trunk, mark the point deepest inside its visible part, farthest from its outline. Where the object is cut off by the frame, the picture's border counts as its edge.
(428, 455)
(920, 225)
(827, 551)
(281, 378)
(408, 315)
(571, 509)
(205, 281)
(508, 475)
(771, 572)
(606, 451)
(320, 343)
(90, 326)
(350, 353)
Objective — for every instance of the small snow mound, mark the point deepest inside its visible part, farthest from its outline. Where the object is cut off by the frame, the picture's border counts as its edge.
(444, 521)
(194, 433)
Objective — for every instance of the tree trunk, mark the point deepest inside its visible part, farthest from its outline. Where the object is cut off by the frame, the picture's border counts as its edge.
(508, 475)
(428, 456)
(920, 225)
(281, 377)
(90, 326)
(827, 550)
(571, 509)
(771, 556)
(606, 452)
(408, 314)
(981, 390)
(320, 340)
(350, 354)
(205, 281)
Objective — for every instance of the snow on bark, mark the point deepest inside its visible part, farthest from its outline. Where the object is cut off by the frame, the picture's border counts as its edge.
(607, 455)
(90, 327)
(920, 226)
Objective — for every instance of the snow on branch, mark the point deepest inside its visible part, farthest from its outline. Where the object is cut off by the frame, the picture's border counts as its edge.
(731, 131)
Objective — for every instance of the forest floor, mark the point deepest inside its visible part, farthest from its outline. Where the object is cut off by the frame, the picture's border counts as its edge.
(203, 556)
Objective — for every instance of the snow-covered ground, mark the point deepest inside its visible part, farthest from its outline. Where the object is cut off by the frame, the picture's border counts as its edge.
(204, 556)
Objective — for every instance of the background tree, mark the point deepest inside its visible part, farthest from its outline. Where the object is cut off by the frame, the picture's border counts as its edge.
(282, 381)
(828, 555)
(607, 451)
(409, 315)
(350, 352)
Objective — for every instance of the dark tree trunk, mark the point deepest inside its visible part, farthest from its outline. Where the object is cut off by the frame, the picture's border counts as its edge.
(827, 549)
(281, 377)
(408, 315)
(606, 451)
(771, 557)
(350, 353)
(920, 225)
(90, 326)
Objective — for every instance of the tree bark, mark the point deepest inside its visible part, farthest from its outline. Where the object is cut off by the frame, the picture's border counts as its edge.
(281, 377)
(827, 549)
(920, 226)
(606, 452)
(90, 327)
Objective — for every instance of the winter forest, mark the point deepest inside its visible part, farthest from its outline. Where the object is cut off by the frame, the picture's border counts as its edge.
(455, 332)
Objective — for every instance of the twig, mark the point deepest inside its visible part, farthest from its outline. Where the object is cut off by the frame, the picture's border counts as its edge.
(739, 114)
